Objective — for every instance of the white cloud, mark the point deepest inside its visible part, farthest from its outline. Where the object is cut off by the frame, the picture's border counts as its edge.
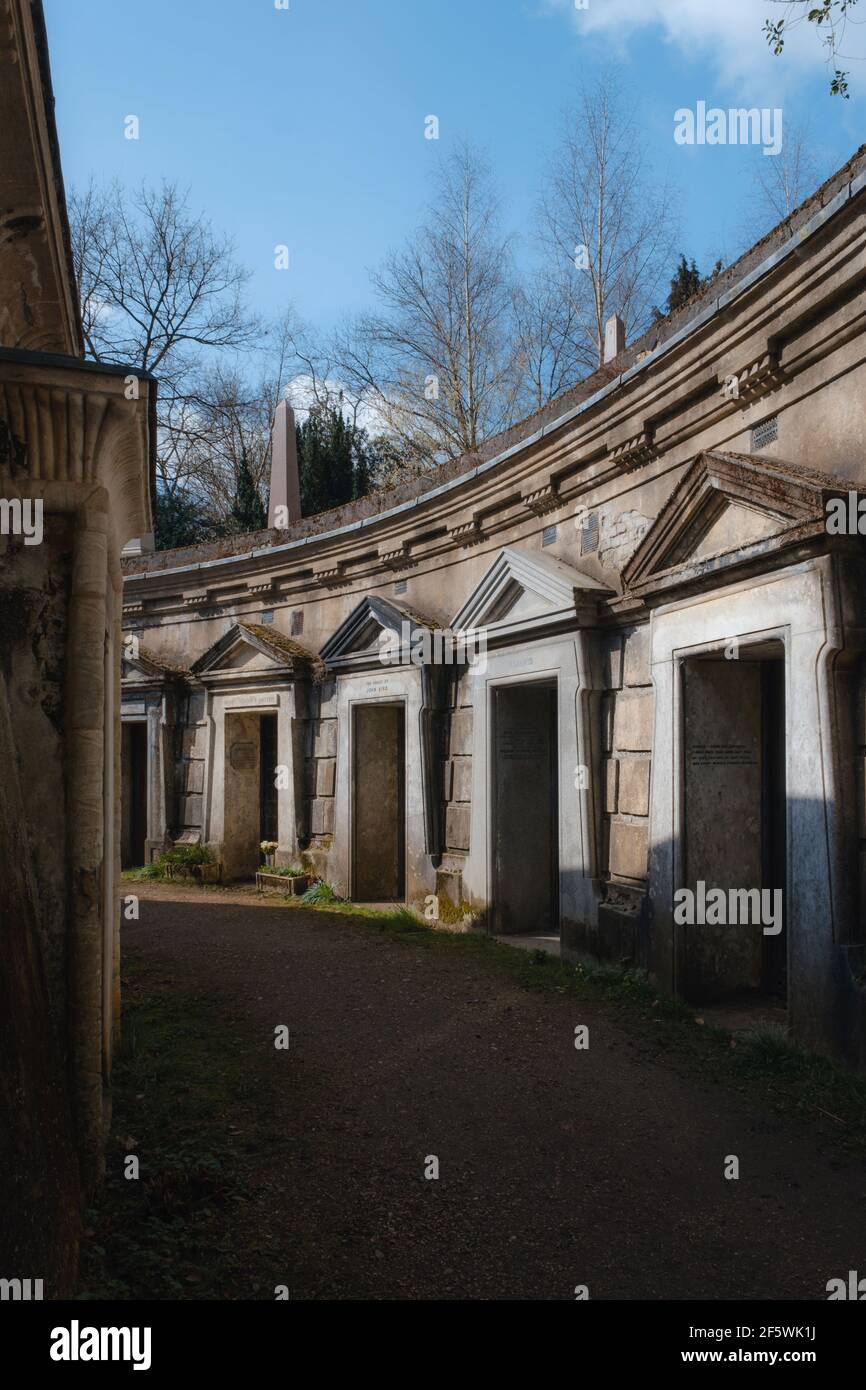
(302, 396)
(726, 34)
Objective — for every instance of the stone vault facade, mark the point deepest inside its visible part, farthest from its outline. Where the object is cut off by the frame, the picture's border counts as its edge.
(672, 684)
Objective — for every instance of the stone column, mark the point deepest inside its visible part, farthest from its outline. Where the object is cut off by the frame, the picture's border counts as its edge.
(85, 706)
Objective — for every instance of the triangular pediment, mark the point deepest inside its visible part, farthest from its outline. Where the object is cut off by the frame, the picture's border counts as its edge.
(139, 667)
(524, 592)
(725, 505)
(249, 649)
(357, 641)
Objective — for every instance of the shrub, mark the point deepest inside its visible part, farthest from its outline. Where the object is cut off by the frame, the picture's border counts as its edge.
(320, 892)
(187, 855)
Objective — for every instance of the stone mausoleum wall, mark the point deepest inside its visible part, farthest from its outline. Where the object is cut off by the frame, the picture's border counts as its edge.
(680, 490)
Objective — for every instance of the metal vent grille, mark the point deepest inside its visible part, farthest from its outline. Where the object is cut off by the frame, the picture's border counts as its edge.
(297, 622)
(589, 535)
(401, 586)
(548, 535)
(766, 433)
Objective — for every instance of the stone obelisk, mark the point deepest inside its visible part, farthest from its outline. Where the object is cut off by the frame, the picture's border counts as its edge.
(284, 505)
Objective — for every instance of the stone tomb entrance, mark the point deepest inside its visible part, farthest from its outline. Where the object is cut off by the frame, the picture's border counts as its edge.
(525, 829)
(250, 790)
(735, 824)
(134, 782)
(378, 803)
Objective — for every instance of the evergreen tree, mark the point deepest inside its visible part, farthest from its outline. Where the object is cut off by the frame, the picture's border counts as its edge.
(179, 521)
(687, 282)
(335, 460)
(247, 511)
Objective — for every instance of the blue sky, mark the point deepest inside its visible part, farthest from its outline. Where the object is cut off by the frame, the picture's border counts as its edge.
(306, 126)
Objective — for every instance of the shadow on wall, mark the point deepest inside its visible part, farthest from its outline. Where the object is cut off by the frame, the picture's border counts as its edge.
(706, 947)
(40, 1193)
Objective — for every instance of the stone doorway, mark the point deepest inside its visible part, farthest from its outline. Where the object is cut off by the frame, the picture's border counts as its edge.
(134, 802)
(242, 819)
(735, 827)
(378, 803)
(525, 815)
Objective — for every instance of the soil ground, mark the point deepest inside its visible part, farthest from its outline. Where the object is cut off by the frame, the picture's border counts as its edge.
(601, 1166)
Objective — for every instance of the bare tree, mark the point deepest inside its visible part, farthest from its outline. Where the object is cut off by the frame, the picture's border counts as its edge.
(161, 292)
(435, 362)
(155, 282)
(781, 184)
(547, 339)
(607, 228)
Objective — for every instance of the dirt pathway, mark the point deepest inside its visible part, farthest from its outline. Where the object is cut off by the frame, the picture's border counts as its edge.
(558, 1167)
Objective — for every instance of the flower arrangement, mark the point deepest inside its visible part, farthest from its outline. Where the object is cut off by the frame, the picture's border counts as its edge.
(268, 849)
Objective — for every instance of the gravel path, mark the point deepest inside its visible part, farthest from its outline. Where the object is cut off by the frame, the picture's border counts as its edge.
(557, 1167)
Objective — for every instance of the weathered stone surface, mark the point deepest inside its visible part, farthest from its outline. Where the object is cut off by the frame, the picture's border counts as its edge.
(195, 777)
(633, 724)
(461, 785)
(378, 871)
(190, 737)
(607, 713)
(326, 774)
(457, 826)
(628, 849)
(611, 784)
(723, 817)
(191, 810)
(449, 886)
(613, 663)
(634, 784)
(461, 731)
(325, 739)
(637, 657)
(323, 816)
(327, 700)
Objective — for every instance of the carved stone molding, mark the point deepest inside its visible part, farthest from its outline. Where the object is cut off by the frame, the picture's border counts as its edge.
(62, 423)
(754, 381)
(397, 558)
(332, 578)
(467, 532)
(640, 449)
(542, 499)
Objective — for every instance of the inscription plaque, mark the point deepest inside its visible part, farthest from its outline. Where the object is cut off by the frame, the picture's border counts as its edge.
(242, 756)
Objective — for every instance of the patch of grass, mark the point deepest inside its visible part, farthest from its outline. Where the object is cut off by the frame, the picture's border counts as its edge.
(283, 873)
(184, 855)
(191, 1104)
(153, 870)
(187, 855)
(319, 893)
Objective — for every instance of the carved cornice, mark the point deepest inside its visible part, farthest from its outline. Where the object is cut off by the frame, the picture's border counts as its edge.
(754, 381)
(62, 422)
(542, 499)
(633, 452)
(467, 532)
(397, 558)
(332, 578)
